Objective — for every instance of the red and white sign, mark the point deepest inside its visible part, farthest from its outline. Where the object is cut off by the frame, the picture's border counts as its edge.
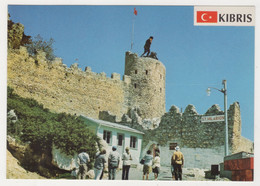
(212, 118)
(207, 16)
(224, 16)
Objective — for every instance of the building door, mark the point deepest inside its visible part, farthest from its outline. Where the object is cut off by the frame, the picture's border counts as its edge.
(120, 143)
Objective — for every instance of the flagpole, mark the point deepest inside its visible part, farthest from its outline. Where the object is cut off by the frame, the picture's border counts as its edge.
(133, 27)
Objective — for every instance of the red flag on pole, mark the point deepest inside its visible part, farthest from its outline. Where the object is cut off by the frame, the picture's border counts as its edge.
(135, 11)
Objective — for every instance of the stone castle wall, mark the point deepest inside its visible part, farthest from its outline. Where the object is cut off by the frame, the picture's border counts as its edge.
(187, 130)
(63, 89)
(71, 90)
(202, 143)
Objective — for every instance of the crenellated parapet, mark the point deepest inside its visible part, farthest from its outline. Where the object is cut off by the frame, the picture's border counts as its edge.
(188, 130)
(66, 89)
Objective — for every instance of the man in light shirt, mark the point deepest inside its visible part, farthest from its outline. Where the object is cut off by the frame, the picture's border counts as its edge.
(83, 159)
(126, 163)
(113, 163)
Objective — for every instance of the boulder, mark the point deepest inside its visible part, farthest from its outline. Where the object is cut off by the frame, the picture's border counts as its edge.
(11, 117)
(18, 150)
(63, 161)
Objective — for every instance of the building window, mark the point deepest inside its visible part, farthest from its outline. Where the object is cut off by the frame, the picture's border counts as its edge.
(160, 76)
(107, 136)
(172, 146)
(160, 89)
(146, 72)
(135, 85)
(133, 142)
(120, 139)
(135, 71)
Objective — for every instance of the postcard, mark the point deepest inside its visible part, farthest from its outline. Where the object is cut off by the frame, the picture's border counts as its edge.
(152, 93)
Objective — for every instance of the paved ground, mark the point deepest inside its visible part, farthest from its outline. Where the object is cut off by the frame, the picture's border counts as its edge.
(165, 174)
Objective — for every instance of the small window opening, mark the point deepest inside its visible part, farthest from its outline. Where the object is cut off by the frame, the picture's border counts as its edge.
(146, 72)
(107, 136)
(135, 71)
(133, 142)
(120, 139)
(172, 146)
(135, 85)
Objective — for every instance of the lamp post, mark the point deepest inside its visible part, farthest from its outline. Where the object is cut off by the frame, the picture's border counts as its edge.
(224, 91)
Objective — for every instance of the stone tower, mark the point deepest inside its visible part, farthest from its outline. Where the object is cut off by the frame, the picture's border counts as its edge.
(147, 88)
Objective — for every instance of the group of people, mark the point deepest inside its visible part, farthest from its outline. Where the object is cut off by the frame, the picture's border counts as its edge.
(150, 164)
(99, 165)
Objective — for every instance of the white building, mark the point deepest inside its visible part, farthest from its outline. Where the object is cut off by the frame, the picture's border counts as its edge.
(117, 135)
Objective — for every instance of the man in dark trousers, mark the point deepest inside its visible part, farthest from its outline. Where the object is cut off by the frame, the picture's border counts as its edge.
(147, 46)
(178, 161)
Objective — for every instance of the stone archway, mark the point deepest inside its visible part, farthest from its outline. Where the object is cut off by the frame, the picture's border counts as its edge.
(152, 145)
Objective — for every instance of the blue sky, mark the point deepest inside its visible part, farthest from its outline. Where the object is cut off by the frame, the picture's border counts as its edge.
(195, 57)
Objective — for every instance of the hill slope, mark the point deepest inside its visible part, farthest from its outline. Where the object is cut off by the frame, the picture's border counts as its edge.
(15, 171)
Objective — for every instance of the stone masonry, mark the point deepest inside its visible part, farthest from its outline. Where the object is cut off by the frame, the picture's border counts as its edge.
(147, 91)
(71, 90)
(201, 143)
(188, 131)
(74, 91)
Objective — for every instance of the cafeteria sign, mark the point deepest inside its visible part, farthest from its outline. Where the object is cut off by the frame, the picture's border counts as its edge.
(212, 118)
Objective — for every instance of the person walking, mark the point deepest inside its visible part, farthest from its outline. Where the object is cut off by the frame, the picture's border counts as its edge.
(82, 160)
(99, 164)
(147, 46)
(126, 163)
(148, 160)
(178, 160)
(156, 165)
(113, 163)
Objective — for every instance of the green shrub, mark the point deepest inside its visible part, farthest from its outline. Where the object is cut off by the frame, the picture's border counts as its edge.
(42, 128)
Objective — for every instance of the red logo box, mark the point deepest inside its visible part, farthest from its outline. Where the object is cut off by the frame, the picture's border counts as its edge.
(207, 16)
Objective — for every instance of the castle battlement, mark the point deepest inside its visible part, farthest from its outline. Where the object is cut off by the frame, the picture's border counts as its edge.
(74, 69)
(70, 89)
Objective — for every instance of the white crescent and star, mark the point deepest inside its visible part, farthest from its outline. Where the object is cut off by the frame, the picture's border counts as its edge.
(202, 17)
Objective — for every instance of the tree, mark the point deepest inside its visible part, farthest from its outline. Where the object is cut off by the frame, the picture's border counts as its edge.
(39, 44)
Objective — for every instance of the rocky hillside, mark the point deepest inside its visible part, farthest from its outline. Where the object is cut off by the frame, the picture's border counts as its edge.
(15, 171)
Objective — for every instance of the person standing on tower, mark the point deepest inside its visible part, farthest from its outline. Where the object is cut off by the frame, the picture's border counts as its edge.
(147, 46)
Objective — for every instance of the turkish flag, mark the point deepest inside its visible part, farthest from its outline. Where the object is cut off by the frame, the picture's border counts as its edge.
(207, 16)
(135, 11)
